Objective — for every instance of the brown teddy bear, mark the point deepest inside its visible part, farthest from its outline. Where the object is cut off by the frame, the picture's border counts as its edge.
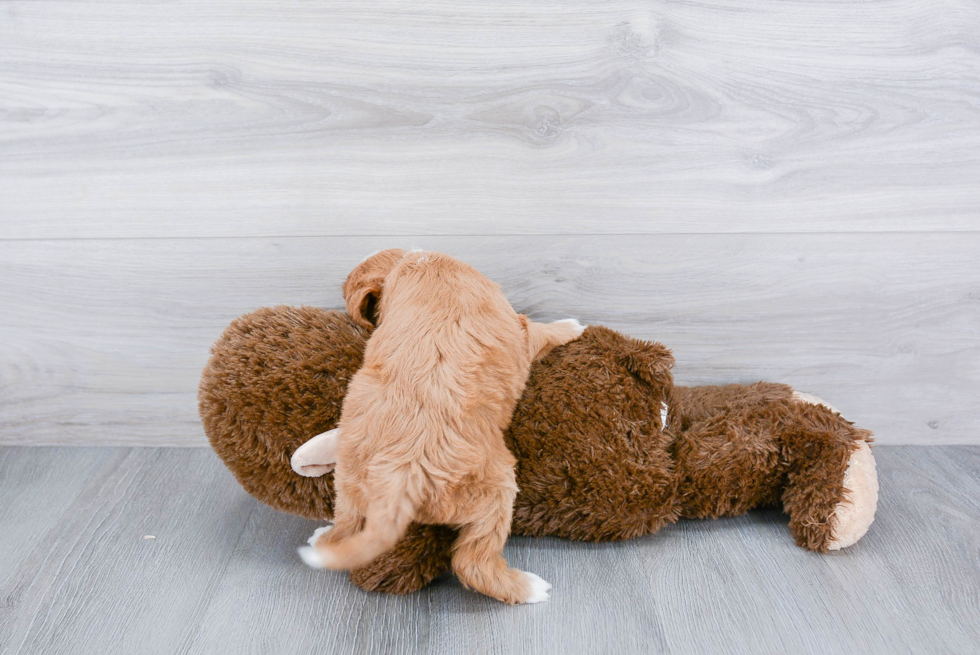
(607, 447)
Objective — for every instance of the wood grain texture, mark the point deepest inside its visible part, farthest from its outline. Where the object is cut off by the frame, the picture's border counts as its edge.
(206, 585)
(36, 490)
(874, 597)
(102, 342)
(252, 118)
(137, 595)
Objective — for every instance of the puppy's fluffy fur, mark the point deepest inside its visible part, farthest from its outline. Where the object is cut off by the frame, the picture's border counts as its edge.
(421, 430)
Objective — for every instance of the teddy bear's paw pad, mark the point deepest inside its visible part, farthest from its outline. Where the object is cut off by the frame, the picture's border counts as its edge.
(573, 323)
(852, 518)
(539, 589)
(810, 399)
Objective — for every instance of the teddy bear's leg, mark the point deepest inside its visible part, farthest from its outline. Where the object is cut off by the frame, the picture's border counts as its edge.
(854, 506)
(422, 555)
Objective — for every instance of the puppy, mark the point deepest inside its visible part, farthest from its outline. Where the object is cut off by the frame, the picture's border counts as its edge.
(420, 436)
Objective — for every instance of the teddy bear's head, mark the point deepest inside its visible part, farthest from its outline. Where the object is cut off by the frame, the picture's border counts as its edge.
(277, 377)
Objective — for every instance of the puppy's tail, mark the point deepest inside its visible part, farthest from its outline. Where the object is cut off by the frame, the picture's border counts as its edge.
(386, 524)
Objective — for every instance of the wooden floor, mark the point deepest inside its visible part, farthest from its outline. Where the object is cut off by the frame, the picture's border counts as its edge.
(79, 575)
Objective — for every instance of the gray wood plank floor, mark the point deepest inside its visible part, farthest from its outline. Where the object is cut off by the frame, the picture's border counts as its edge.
(222, 575)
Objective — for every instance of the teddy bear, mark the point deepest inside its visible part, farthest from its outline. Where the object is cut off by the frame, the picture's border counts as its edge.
(607, 447)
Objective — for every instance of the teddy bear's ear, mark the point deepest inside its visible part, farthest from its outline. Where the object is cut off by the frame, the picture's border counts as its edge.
(648, 360)
(362, 290)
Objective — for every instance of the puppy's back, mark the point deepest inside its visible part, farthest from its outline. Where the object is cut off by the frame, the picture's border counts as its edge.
(449, 333)
(445, 367)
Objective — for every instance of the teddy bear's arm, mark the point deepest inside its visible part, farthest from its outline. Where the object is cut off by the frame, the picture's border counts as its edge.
(421, 556)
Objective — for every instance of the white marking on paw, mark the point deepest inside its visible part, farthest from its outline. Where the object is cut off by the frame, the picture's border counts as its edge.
(539, 589)
(310, 556)
(579, 328)
(316, 533)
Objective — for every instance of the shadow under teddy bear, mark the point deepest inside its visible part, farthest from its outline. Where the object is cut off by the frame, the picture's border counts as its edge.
(607, 447)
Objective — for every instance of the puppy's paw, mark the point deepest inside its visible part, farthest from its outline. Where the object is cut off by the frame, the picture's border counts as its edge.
(538, 589)
(309, 554)
(316, 533)
(576, 327)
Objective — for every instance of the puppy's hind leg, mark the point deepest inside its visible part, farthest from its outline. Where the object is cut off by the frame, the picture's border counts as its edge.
(478, 558)
(387, 518)
(348, 521)
(543, 337)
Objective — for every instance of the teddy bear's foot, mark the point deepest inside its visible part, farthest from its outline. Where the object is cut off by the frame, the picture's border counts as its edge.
(852, 517)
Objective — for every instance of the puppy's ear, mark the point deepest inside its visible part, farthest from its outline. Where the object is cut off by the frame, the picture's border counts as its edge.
(362, 290)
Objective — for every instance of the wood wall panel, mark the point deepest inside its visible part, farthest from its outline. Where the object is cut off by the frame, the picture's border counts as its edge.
(102, 341)
(162, 119)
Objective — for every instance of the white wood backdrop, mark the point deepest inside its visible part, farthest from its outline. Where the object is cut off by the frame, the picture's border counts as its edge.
(777, 190)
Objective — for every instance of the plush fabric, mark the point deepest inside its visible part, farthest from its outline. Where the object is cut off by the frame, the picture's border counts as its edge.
(607, 447)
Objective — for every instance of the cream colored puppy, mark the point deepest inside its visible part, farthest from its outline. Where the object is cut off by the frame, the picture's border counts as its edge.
(420, 436)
